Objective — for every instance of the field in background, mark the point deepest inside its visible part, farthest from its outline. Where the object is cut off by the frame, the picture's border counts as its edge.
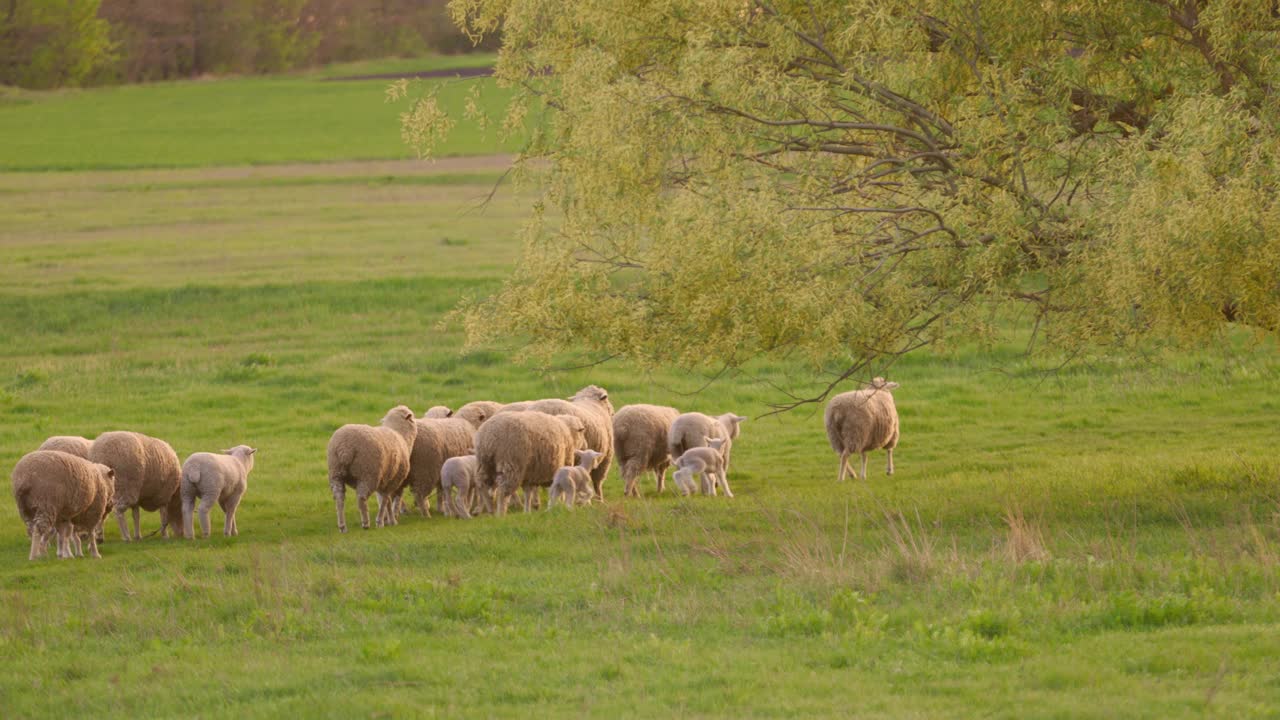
(239, 121)
(1095, 542)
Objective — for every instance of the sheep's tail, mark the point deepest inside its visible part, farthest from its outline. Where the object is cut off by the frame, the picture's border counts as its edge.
(25, 511)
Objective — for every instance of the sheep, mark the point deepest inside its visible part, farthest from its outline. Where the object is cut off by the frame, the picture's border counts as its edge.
(60, 492)
(148, 477)
(861, 421)
(522, 451)
(371, 460)
(435, 441)
(89, 523)
(73, 444)
(590, 404)
(573, 482)
(221, 477)
(706, 461)
(438, 412)
(693, 429)
(640, 443)
(458, 486)
(477, 411)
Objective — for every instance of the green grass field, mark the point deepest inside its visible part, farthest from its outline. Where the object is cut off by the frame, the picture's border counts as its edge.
(1098, 541)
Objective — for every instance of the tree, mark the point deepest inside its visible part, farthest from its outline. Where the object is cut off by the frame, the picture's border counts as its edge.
(860, 179)
(49, 44)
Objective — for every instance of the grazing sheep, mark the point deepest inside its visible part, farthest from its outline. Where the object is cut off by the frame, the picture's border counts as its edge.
(59, 492)
(215, 477)
(692, 430)
(458, 485)
(591, 405)
(73, 444)
(89, 523)
(148, 477)
(476, 412)
(706, 461)
(438, 412)
(640, 443)
(436, 440)
(573, 482)
(861, 421)
(371, 460)
(522, 451)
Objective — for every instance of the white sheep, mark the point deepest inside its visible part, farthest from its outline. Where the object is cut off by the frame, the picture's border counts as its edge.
(694, 429)
(73, 444)
(436, 440)
(706, 461)
(458, 485)
(477, 411)
(861, 421)
(373, 460)
(148, 477)
(437, 412)
(215, 477)
(572, 483)
(591, 405)
(522, 451)
(640, 443)
(57, 492)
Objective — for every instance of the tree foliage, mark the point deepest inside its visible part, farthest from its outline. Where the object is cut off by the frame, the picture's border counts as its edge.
(861, 178)
(48, 44)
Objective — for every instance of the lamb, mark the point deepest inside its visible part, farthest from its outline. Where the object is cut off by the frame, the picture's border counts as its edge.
(148, 477)
(73, 444)
(371, 460)
(221, 477)
(707, 461)
(435, 441)
(59, 492)
(640, 443)
(591, 405)
(438, 412)
(458, 486)
(693, 429)
(861, 421)
(573, 482)
(522, 451)
(476, 412)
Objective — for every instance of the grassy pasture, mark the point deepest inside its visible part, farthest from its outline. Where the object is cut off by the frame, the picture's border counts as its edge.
(1100, 541)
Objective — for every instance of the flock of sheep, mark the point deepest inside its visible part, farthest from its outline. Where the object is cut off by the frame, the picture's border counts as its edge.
(474, 460)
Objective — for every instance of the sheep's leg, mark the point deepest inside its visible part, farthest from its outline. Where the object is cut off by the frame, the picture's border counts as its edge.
(137, 522)
(39, 539)
(75, 537)
(340, 502)
(188, 511)
(93, 546)
(660, 474)
(229, 514)
(439, 501)
(864, 465)
(528, 500)
(844, 465)
(124, 524)
(724, 480)
(889, 469)
(423, 501)
(362, 502)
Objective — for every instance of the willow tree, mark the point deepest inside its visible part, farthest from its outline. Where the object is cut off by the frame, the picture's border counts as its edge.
(858, 179)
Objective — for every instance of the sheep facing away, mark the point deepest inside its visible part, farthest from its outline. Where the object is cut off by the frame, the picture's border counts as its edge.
(640, 444)
(591, 405)
(215, 477)
(861, 421)
(572, 483)
(57, 492)
(435, 441)
(458, 485)
(694, 429)
(705, 461)
(148, 477)
(477, 411)
(373, 460)
(522, 451)
(438, 412)
(71, 444)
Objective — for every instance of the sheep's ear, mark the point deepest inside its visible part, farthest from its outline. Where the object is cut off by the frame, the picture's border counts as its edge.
(891, 385)
(253, 450)
(111, 473)
(450, 414)
(227, 451)
(741, 418)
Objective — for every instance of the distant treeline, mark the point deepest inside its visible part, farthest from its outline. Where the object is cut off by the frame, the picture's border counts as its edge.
(55, 43)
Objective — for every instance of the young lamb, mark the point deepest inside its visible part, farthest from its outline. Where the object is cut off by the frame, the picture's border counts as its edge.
(436, 440)
(62, 493)
(706, 461)
(591, 405)
(477, 411)
(640, 443)
(73, 444)
(438, 412)
(458, 485)
(522, 451)
(215, 477)
(148, 477)
(692, 430)
(371, 460)
(572, 483)
(861, 421)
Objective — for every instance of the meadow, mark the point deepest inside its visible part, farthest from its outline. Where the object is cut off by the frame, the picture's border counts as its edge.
(1099, 540)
